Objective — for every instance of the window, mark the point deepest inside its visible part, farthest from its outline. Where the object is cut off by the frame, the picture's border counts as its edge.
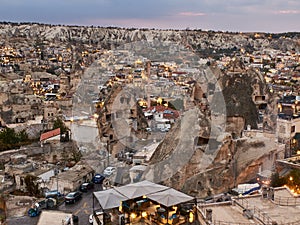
(293, 129)
(281, 129)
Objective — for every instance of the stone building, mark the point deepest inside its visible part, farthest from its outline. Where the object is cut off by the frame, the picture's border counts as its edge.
(71, 179)
(18, 167)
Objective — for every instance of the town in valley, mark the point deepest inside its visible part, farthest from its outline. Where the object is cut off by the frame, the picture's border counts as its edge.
(144, 126)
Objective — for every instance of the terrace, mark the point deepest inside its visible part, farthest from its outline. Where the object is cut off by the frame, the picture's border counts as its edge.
(144, 203)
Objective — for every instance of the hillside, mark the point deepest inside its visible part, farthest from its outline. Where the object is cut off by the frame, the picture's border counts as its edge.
(206, 43)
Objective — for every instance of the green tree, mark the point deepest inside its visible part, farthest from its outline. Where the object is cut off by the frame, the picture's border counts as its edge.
(8, 136)
(31, 185)
(58, 123)
(277, 181)
(22, 136)
(9, 139)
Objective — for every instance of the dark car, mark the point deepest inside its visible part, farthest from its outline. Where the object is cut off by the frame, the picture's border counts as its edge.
(98, 179)
(86, 186)
(73, 197)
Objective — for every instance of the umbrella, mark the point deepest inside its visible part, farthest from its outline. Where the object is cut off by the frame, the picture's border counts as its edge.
(109, 198)
(170, 197)
(140, 189)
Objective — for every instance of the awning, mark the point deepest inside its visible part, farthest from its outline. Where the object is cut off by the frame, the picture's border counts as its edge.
(140, 189)
(297, 136)
(138, 168)
(109, 198)
(112, 198)
(170, 197)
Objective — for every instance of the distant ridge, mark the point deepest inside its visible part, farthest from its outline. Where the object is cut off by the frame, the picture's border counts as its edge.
(206, 43)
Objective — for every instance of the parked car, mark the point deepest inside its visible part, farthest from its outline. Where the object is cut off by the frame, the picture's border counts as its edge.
(53, 194)
(73, 197)
(91, 217)
(98, 179)
(68, 221)
(109, 171)
(86, 186)
(107, 217)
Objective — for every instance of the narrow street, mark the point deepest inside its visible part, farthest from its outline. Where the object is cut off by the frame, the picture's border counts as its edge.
(82, 209)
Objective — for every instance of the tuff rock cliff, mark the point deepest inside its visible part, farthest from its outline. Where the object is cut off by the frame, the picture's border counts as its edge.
(205, 42)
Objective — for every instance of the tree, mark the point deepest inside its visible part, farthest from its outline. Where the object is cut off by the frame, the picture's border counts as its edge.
(9, 139)
(31, 185)
(8, 136)
(277, 181)
(22, 136)
(58, 123)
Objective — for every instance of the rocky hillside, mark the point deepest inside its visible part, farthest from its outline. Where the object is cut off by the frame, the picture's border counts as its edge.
(205, 42)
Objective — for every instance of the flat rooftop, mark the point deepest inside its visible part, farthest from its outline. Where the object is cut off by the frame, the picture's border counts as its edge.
(53, 217)
(265, 209)
(292, 162)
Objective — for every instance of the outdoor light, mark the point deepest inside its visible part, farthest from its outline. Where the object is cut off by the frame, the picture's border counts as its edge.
(144, 214)
(191, 217)
(144, 196)
(133, 215)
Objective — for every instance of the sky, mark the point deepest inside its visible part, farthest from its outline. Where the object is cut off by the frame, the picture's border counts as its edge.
(219, 15)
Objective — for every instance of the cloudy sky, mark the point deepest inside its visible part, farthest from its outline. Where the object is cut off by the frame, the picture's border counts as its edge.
(224, 15)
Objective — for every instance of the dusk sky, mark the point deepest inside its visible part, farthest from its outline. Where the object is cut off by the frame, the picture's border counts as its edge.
(223, 15)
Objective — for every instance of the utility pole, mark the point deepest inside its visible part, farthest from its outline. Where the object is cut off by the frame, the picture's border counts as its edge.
(108, 147)
(108, 150)
(56, 174)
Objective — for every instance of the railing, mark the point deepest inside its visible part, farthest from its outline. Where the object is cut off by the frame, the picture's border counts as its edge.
(286, 201)
(262, 216)
(243, 202)
(257, 213)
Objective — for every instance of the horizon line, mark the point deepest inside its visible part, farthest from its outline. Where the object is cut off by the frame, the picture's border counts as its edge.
(142, 28)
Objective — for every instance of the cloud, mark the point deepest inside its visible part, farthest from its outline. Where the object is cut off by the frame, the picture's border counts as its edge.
(234, 15)
(191, 14)
(288, 12)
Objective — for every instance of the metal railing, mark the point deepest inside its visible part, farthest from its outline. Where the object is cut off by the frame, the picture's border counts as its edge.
(257, 213)
(286, 201)
(262, 216)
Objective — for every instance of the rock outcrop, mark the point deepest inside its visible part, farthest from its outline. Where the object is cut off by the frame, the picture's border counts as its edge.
(206, 43)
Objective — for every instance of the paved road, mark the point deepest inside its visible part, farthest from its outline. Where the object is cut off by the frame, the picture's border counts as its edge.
(82, 209)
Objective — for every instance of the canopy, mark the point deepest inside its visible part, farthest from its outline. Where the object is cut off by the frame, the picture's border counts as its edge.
(138, 168)
(109, 198)
(170, 197)
(140, 189)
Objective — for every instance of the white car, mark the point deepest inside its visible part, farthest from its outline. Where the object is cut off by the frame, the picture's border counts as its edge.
(91, 217)
(109, 171)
